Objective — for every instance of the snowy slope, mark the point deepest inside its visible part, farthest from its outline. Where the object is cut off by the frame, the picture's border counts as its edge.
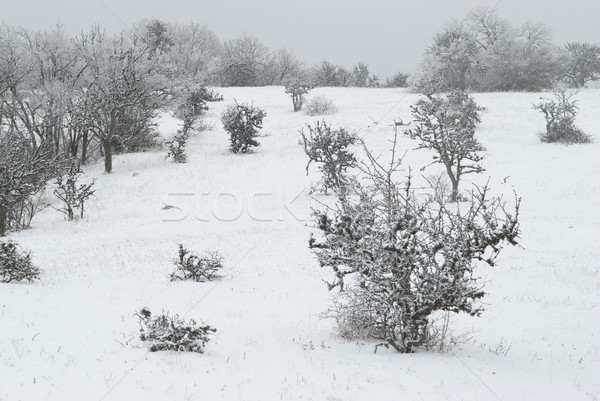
(72, 335)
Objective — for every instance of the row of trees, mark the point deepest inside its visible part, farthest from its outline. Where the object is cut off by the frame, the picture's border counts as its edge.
(484, 52)
(71, 94)
(64, 100)
(245, 60)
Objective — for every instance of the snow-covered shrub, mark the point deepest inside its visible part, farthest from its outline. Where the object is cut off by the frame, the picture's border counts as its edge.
(397, 259)
(242, 122)
(297, 87)
(194, 105)
(197, 268)
(20, 215)
(447, 125)
(560, 115)
(72, 196)
(172, 333)
(16, 265)
(177, 147)
(319, 106)
(330, 149)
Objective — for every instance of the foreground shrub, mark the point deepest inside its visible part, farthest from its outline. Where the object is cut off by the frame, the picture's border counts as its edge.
(560, 115)
(16, 265)
(172, 333)
(197, 268)
(330, 149)
(397, 259)
(242, 122)
(319, 106)
(297, 88)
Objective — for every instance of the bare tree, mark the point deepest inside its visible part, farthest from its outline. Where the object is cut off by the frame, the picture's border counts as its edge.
(24, 171)
(195, 48)
(583, 64)
(288, 65)
(446, 125)
(124, 88)
(451, 62)
(486, 27)
(247, 61)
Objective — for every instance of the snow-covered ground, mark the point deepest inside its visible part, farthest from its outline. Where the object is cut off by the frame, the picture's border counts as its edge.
(72, 335)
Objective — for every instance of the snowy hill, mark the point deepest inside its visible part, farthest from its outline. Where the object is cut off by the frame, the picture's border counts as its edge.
(72, 335)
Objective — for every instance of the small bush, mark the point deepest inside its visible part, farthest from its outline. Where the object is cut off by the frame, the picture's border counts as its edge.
(441, 188)
(297, 88)
(172, 333)
(16, 265)
(560, 115)
(242, 122)
(72, 196)
(195, 105)
(319, 106)
(20, 215)
(177, 147)
(197, 268)
(330, 149)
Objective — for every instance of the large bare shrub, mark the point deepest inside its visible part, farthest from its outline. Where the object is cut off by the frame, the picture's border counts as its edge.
(396, 259)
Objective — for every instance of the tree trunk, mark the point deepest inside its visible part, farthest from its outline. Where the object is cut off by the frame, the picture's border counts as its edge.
(107, 146)
(74, 143)
(454, 180)
(84, 147)
(3, 216)
(454, 195)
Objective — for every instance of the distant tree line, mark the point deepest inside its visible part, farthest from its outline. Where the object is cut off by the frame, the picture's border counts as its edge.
(484, 52)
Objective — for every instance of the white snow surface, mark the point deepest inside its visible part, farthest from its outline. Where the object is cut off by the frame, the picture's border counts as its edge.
(72, 335)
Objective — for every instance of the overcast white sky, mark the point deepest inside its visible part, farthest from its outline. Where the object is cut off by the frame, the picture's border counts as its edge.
(389, 35)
